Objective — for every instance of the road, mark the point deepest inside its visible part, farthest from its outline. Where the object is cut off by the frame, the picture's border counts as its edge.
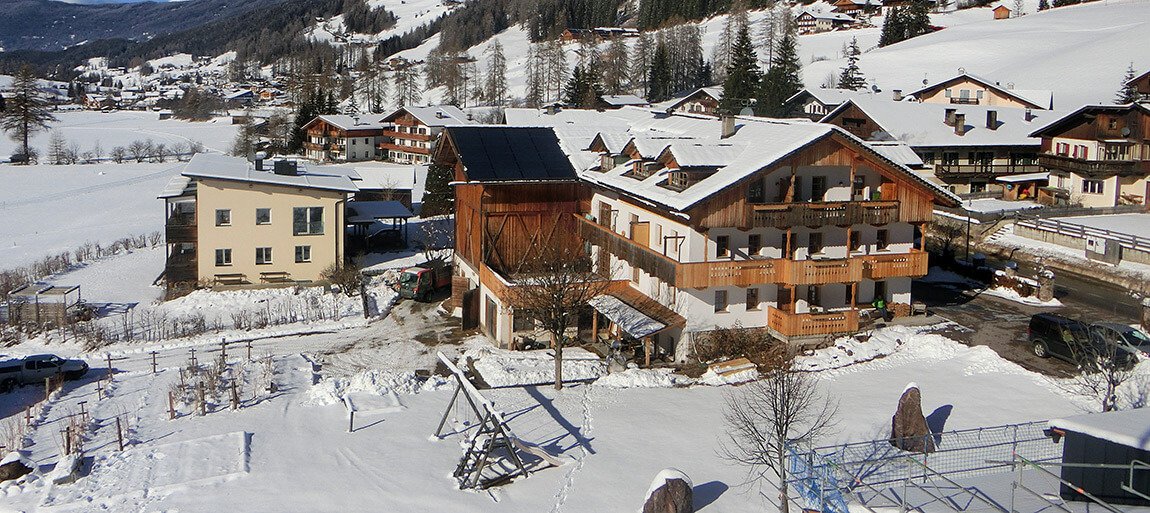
(1001, 324)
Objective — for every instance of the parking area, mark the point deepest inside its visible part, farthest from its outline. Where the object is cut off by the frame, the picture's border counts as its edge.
(1001, 324)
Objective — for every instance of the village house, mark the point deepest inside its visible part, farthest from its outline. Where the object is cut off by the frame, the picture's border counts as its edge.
(815, 103)
(789, 227)
(1001, 12)
(858, 8)
(703, 101)
(341, 138)
(1141, 85)
(970, 148)
(813, 22)
(231, 222)
(967, 89)
(1098, 156)
(412, 131)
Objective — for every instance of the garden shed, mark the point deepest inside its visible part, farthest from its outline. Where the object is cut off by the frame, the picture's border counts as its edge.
(1106, 455)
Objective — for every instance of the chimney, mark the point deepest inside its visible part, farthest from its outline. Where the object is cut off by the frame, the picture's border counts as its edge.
(1029, 115)
(898, 95)
(355, 121)
(286, 167)
(949, 119)
(959, 123)
(259, 160)
(728, 126)
(992, 119)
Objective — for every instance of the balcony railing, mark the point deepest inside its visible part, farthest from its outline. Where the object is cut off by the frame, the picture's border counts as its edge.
(815, 215)
(405, 135)
(964, 101)
(986, 169)
(1092, 167)
(181, 267)
(798, 325)
(180, 228)
(914, 264)
(818, 272)
(638, 255)
(408, 149)
(730, 273)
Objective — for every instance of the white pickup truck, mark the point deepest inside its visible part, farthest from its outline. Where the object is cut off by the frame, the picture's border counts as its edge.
(33, 369)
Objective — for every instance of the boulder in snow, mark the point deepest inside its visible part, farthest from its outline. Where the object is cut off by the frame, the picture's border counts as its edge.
(14, 466)
(909, 430)
(671, 492)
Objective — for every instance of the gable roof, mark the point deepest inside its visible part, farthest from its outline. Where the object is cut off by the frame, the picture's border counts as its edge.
(223, 167)
(828, 97)
(922, 124)
(433, 115)
(496, 153)
(1053, 126)
(623, 99)
(345, 122)
(1138, 78)
(1037, 98)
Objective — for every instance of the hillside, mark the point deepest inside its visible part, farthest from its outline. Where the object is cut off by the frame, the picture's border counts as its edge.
(51, 25)
(1080, 52)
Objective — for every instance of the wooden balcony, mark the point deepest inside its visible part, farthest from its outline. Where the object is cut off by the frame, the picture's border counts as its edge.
(639, 255)
(819, 272)
(181, 267)
(733, 273)
(180, 228)
(986, 169)
(809, 324)
(958, 100)
(408, 149)
(404, 135)
(819, 214)
(878, 267)
(1093, 167)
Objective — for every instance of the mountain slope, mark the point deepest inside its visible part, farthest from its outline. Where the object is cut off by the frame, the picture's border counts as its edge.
(51, 25)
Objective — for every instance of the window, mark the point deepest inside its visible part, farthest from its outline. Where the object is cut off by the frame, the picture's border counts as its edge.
(879, 290)
(365, 141)
(1092, 186)
(722, 246)
(307, 221)
(756, 193)
(720, 301)
(858, 187)
(882, 239)
(1113, 124)
(263, 216)
(855, 240)
(818, 188)
(223, 257)
(753, 298)
(814, 243)
(754, 244)
(223, 217)
(678, 180)
(263, 256)
(813, 298)
(946, 93)
(848, 295)
(1080, 152)
(950, 158)
(1062, 149)
(302, 254)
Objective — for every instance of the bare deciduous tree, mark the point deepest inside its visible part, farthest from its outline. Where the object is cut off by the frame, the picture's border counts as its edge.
(553, 288)
(1104, 369)
(765, 417)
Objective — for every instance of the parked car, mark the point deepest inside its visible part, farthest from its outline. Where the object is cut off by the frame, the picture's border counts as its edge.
(420, 282)
(1127, 343)
(33, 369)
(18, 158)
(1055, 335)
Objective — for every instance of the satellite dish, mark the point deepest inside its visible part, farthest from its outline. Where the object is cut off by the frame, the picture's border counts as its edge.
(1125, 131)
(747, 111)
(961, 71)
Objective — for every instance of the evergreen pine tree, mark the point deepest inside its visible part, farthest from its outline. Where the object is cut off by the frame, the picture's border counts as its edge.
(852, 77)
(893, 29)
(495, 88)
(1127, 93)
(659, 78)
(438, 194)
(26, 112)
(782, 81)
(1043, 5)
(743, 74)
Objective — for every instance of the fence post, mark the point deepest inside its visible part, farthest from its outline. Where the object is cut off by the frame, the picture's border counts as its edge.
(153, 362)
(249, 350)
(351, 421)
(171, 406)
(109, 356)
(203, 402)
(235, 396)
(47, 389)
(119, 434)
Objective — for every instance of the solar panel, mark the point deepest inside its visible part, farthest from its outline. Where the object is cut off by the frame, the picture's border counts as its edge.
(495, 154)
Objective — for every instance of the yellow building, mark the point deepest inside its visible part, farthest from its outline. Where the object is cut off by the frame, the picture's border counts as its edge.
(234, 222)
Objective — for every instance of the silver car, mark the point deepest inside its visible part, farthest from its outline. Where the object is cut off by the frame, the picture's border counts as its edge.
(34, 369)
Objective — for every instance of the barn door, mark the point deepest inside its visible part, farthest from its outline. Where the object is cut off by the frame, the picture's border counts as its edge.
(470, 309)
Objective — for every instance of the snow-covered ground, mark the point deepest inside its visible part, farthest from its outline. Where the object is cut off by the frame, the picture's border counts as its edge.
(1137, 225)
(1008, 239)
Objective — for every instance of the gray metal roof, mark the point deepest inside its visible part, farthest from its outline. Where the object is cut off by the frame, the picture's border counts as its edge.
(223, 167)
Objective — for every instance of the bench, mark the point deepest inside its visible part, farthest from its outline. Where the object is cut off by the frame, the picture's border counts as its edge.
(275, 277)
(231, 279)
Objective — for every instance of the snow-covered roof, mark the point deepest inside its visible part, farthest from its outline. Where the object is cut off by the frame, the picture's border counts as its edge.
(923, 124)
(897, 151)
(583, 117)
(1130, 427)
(833, 16)
(623, 99)
(1055, 121)
(1040, 98)
(388, 177)
(830, 96)
(370, 211)
(635, 323)
(346, 122)
(434, 115)
(704, 154)
(223, 167)
(179, 185)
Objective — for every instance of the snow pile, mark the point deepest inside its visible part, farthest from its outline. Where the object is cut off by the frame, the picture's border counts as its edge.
(506, 368)
(847, 351)
(644, 378)
(715, 379)
(373, 382)
(1013, 295)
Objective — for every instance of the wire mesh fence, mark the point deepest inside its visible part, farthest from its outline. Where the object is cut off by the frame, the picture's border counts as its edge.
(825, 478)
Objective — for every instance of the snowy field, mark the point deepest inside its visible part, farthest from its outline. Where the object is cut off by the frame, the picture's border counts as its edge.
(289, 450)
